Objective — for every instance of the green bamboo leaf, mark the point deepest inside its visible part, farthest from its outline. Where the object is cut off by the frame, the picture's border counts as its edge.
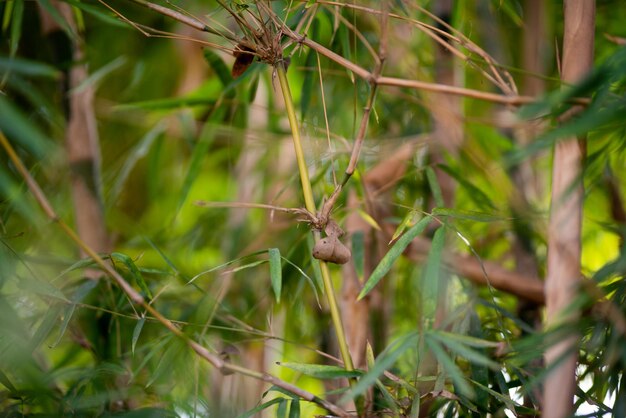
(471, 355)
(22, 130)
(67, 316)
(510, 403)
(28, 68)
(41, 287)
(469, 215)
(281, 411)
(218, 65)
(16, 26)
(137, 333)
(276, 272)
(200, 151)
(249, 266)
(315, 265)
(383, 362)
(450, 367)
(254, 86)
(260, 408)
(309, 74)
(408, 219)
(358, 253)
(83, 263)
(306, 276)
(477, 195)
(98, 13)
(4, 379)
(15, 196)
(430, 292)
(392, 255)
(82, 291)
(38, 101)
(156, 347)
(321, 371)
(58, 18)
(167, 104)
(100, 74)
(468, 340)
(8, 13)
(134, 272)
(169, 360)
(46, 326)
(137, 153)
(226, 264)
(434, 187)
(390, 401)
(294, 408)
(343, 34)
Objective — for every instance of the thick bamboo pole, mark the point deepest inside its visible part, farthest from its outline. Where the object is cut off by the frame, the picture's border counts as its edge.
(564, 230)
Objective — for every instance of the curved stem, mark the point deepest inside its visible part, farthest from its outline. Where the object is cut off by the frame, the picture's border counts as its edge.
(310, 206)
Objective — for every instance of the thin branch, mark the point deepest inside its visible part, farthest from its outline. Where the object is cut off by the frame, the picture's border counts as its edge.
(136, 298)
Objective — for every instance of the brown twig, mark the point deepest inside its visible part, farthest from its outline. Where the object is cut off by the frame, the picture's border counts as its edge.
(137, 299)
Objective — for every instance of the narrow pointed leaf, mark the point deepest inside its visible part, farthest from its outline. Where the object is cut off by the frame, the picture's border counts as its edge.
(260, 408)
(276, 272)
(384, 361)
(469, 215)
(134, 272)
(137, 332)
(358, 253)
(434, 187)
(392, 255)
(464, 351)
(294, 409)
(28, 68)
(218, 65)
(450, 367)
(322, 371)
(430, 291)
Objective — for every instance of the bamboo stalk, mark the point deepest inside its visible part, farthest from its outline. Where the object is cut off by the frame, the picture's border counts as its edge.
(310, 206)
(564, 229)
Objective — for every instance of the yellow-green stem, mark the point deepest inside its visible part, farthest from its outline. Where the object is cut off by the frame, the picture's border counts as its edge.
(310, 206)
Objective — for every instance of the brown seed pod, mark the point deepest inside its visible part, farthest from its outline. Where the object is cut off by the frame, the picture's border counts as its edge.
(332, 250)
(243, 59)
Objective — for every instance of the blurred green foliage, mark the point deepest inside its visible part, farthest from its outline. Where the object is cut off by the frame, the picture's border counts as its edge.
(71, 346)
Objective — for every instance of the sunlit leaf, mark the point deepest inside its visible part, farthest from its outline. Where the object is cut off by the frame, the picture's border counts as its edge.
(322, 371)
